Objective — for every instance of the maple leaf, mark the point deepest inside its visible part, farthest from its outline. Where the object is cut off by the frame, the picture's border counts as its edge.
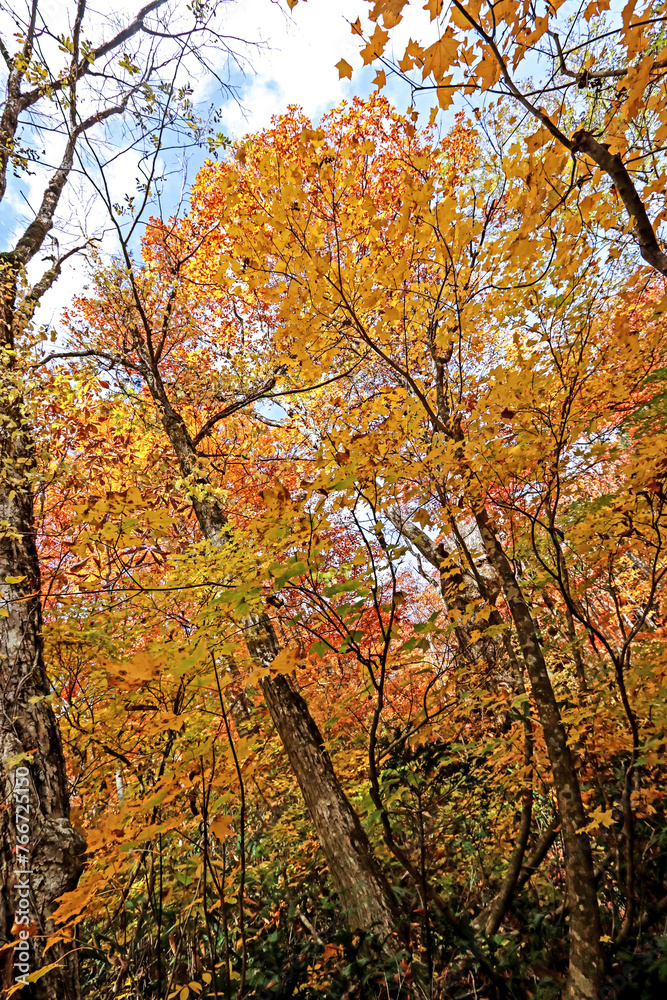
(375, 46)
(344, 69)
(286, 660)
(596, 7)
(446, 93)
(472, 8)
(488, 71)
(439, 57)
(221, 827)
(434, 7)
(389, 10)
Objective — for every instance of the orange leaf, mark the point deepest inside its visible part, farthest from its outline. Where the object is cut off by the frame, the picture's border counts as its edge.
(344, 69)
(488, 71)
(459, 18)
(221, 827)
(434, 7)
(375, 46)
(439, 57)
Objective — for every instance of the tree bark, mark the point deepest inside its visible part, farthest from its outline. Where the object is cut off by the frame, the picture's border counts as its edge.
(28, 727)
(35, 802)
(586, 960)
(362, 886)
(586, 964)
(460, 590)
(612, 164)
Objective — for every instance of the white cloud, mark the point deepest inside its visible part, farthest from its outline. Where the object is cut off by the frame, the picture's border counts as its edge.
(298, 64)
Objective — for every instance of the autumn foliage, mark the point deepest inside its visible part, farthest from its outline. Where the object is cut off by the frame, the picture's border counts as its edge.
(390, 405)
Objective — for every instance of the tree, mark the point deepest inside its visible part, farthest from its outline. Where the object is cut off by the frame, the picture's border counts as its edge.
(316, 228)
(60, 101)
(604, 76)
(453, 525)
(142, 327)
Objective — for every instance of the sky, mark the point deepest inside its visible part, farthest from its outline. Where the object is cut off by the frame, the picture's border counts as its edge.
(300, 65)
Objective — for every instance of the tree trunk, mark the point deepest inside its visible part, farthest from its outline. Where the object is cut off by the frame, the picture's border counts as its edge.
(586, 966)
(362, 886)
(41, 855)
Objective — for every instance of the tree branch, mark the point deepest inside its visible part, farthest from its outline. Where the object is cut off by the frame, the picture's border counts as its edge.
(30, 97)
(111, 358)
(584, 142)
(612, 164)
(33, 237)
(26, 309)
(232, 408)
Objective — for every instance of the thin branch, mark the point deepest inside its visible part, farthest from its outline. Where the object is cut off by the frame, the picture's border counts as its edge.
(30, 97)
(111, 358)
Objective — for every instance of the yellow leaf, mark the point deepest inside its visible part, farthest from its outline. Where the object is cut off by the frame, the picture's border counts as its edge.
(137, 671)
(413, 55)
(638, 80)
(344, 69)
(445, 93)
(380, 79)
(440, 56)
(596, 7)
(14, 579)
(285, 661)
(434, 7)
(221, 827)
(375, 47)
(606, 818)
(389, 10)
(4, 613)
(34, 976)
(628, 14)
(71, 904)
(488, 71)
(459, 18)
(541, 25)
